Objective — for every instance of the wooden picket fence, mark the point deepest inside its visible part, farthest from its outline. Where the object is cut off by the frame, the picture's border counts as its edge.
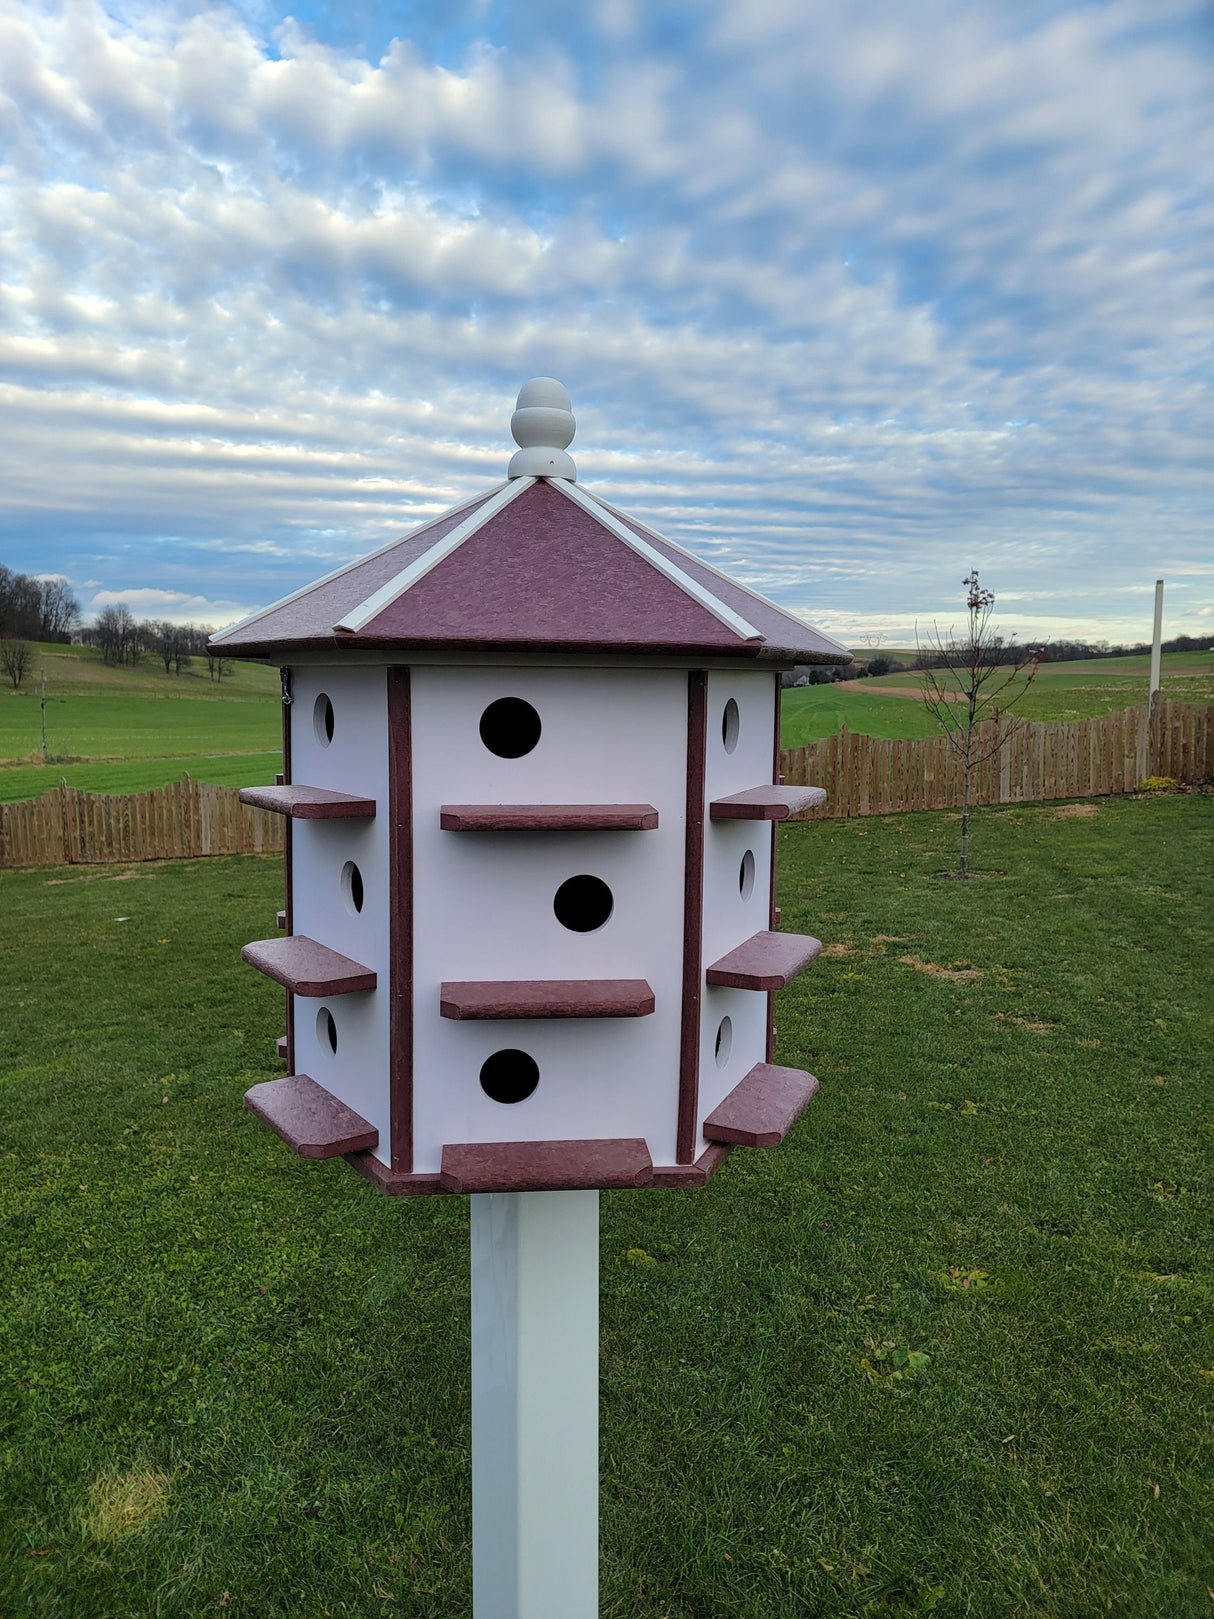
(862, 775)
(67, 827)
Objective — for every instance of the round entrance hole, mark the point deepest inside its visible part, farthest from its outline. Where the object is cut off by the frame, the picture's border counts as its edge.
(730, 724)
(326, 1030)
(510, 727)
(322, 719)
(509, 1076)
(746, 875)
(583, 903)
(724, 1043)
(352, 887)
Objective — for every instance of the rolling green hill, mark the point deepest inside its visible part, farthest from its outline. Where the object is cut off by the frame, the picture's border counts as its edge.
(124, 730)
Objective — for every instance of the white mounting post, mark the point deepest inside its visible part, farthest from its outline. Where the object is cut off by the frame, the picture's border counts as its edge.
(1156, 641)
(535, 1405)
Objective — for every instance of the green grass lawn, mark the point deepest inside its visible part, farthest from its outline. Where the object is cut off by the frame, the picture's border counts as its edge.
(889, 705)
(258, 1367)
(124, 730)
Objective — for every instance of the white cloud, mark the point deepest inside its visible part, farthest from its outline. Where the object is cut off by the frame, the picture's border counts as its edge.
(178, 606)
(848, 298)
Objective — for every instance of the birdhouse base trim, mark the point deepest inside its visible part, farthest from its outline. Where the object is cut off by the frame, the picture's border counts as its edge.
(672, 1177)
(548, 817)
(309, 1118)
(766, 961)
(394, 1182)
(692, 1175)
(306, 967)
(545, 1166)
(766, 803)
(309, 803)
(547, 998)
(760, 1111)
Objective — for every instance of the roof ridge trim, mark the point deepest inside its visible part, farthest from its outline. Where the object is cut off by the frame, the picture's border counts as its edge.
(359, 617)
(690, 587)
(719, 573)
(346, 567)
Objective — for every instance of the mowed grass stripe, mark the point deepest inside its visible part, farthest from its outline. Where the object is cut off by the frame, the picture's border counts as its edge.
(949, 1349)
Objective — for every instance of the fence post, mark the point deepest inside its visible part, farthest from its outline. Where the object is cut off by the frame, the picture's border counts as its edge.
(63, 827)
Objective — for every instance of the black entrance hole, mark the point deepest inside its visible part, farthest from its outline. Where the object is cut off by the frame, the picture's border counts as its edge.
(509, 1076)
(510, 727)
(583, 903)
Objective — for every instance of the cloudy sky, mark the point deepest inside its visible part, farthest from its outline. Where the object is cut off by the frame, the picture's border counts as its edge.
(850, 297)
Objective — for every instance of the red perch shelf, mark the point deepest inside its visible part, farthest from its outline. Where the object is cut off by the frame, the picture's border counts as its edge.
(308, 968)
(765, 803)
(765, 961)
(760, 1111)
(548, 998)
(310, 1118)
(530, 1166)
(548, 817)
(309, 803)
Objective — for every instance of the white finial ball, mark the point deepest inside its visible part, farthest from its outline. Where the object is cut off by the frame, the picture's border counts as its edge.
(542, 426)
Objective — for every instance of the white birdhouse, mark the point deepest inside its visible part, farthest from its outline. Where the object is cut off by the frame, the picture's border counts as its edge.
(531, 772)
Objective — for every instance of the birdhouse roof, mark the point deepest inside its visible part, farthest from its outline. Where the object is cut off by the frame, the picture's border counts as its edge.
(536, 565)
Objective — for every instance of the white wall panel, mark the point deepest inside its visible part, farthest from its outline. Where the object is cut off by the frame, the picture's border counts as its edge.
(355, 761)
(729, 919)
(483, 903)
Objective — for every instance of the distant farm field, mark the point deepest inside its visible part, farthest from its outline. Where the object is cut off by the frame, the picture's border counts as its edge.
(125, 730)
(890, 706)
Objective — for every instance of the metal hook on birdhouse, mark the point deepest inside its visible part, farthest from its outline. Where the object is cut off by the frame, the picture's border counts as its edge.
(285, 677)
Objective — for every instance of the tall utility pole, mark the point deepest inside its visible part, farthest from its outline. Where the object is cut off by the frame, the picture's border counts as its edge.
(44, 715)
(1157, 642)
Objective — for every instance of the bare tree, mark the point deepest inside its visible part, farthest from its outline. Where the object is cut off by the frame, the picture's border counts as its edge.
(969, 683)
(120, 638)
(15, 660)
(60, 611)
(172, 644)
(218, 665)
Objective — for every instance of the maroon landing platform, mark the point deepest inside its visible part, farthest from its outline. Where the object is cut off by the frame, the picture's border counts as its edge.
(309, 803)
(765, 961)
(548, 817)
(545, 1166)
(306, 967)
(281, 919)
(765, 803)
(309, 1118)
(548, 998)
(761, 1110)
(405, 1183)
(281, 1046)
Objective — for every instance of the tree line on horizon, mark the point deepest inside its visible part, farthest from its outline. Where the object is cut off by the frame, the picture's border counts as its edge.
(46, 610)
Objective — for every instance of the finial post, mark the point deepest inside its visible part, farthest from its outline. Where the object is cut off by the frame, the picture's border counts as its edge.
(542, 425)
